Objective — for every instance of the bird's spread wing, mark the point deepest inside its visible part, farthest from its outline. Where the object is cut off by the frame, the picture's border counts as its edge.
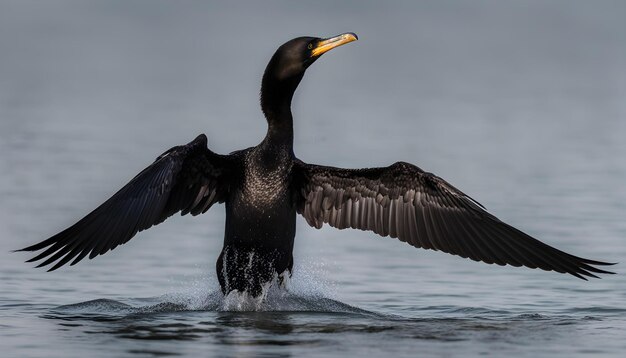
(188, 178)
(419, 208)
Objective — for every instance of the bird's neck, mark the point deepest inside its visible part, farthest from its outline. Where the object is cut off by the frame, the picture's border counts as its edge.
(276, 105)
(280, 127)
(277, 146)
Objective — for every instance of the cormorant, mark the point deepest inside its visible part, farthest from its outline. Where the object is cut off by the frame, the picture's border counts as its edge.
(264, 187)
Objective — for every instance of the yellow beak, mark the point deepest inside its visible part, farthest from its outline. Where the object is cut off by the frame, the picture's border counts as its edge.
(330, 43)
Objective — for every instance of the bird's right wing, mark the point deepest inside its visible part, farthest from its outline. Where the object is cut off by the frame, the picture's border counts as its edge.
(188, 178)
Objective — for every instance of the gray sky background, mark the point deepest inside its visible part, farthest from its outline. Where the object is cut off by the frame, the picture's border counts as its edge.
(110, 60)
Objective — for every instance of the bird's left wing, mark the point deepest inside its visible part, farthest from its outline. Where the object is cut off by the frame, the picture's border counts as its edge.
(419, 208)
(188, 178)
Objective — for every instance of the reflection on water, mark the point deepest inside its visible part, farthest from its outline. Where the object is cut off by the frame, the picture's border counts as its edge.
(520, 105)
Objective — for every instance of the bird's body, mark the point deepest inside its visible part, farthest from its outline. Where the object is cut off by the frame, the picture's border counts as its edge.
(260, 221)
(265, 187)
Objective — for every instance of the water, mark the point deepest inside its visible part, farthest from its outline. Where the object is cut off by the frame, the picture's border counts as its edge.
(521, 105)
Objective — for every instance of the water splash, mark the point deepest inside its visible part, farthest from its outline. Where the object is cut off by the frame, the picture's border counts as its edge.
(308, 291)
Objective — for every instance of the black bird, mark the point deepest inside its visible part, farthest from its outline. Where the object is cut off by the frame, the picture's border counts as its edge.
(264, 187)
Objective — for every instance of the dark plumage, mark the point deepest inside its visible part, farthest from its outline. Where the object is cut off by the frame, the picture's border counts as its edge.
(265, 186)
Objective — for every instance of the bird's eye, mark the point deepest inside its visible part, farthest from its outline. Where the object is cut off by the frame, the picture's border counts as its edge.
(310, 46)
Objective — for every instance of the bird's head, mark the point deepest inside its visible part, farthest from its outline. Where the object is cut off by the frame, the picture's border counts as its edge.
(286, 68)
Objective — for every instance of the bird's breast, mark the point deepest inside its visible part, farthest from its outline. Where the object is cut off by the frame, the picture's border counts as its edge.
(266, 185)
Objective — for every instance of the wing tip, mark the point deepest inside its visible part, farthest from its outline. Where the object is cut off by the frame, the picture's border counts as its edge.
(589, 265)
(35, 247)
(582, 272)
